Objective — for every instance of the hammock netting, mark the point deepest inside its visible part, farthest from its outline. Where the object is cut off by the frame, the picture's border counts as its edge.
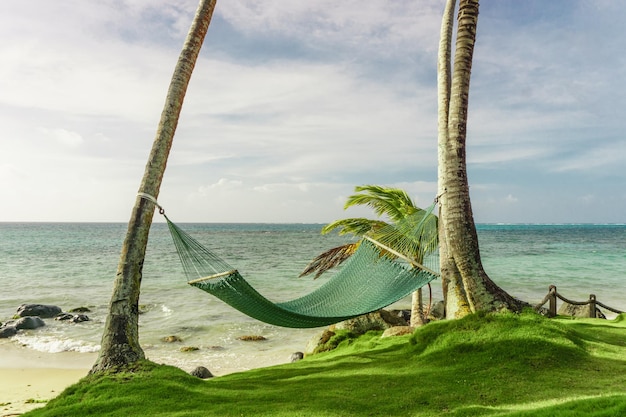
(366, 282)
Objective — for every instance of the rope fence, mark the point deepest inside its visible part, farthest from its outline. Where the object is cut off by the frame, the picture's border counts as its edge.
(593, 303)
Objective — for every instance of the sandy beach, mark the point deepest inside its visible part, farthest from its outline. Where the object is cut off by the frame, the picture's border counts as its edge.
(28, 379)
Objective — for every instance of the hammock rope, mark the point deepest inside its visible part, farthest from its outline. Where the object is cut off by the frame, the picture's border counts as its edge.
(367, 282)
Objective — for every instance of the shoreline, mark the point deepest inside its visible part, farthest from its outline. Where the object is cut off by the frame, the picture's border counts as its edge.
(29, 379)
(24, 389)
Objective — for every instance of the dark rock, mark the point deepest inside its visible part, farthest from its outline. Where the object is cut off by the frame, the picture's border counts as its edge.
(64, 316)
(201, 372)
(296, 356)
(74, 318)
(7, 331)
(189, 348)
(437, 311)
(172, 339)
(28, 323)
(319, 339)
(79, 318)
(404, 314)
(326, 336)
(80, 310)
(40, 310)
(251, 338)
(378, 320)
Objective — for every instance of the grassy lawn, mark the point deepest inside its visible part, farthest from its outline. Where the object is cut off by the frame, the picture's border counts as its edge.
(486, 364)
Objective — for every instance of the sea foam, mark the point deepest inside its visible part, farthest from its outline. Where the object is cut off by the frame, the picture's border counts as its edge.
(51, 344)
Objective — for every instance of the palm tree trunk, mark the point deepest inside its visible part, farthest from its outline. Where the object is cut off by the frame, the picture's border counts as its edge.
(417, 309)
(462, 254)
(455, 299)
(120, 340)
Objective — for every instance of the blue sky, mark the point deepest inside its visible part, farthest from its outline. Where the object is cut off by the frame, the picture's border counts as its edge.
(292, 104)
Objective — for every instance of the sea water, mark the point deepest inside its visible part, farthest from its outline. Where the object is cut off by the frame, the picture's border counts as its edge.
(74, 264)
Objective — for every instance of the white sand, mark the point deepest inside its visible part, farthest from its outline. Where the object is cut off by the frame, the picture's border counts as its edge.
(28, 379)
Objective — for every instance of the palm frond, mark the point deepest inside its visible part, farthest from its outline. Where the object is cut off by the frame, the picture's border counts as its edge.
(329, 259)
(393, 202)
(357, 226)
(415, 236)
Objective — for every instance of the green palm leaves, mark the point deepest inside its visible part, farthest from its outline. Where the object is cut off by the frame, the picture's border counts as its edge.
(404, 227)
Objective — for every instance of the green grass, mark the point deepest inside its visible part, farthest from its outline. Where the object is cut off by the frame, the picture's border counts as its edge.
(482, 365)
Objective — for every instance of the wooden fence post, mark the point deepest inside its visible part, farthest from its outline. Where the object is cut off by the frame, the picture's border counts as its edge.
(592, 306)
(552, 306)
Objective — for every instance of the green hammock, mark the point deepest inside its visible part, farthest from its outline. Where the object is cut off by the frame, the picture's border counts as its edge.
(368, 281)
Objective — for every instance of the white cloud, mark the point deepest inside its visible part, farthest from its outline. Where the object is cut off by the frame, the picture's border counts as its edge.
(293, 103)
(64, 137)
(397, 27)
(223, 184)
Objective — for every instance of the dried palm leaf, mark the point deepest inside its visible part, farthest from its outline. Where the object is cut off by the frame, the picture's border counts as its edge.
(329, 259)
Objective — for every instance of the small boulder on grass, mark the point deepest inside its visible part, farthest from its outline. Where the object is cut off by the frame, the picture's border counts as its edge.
(377, 320)
(398, 331)
(201, 372)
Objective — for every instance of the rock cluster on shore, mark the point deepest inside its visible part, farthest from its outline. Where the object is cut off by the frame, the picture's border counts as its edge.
(30, 316)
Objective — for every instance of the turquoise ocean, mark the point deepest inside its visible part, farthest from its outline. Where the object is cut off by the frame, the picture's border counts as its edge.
(73, 265)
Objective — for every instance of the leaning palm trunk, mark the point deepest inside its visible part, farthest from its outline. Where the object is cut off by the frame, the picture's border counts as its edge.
(120, 340)
(467, 286)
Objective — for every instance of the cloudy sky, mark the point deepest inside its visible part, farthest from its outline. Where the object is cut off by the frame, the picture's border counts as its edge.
(293, 103)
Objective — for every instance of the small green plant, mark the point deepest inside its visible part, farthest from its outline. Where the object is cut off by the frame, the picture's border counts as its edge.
(34, 401)
(342, 338)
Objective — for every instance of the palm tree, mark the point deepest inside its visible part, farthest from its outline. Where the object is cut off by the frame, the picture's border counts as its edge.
(408, 231)
(120, 339)
(467, 287)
